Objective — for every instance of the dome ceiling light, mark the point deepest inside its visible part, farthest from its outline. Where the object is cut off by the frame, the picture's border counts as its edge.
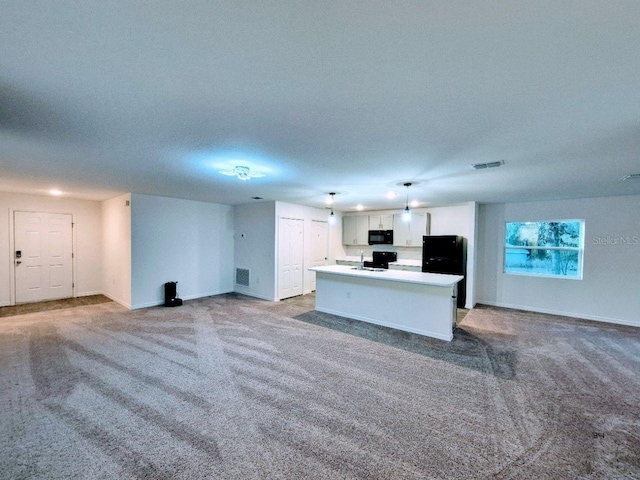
(242, 172)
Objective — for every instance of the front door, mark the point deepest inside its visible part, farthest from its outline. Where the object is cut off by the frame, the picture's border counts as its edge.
(43, 256)
(290, 257)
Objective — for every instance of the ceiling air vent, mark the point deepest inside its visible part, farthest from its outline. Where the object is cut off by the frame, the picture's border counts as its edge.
(242, 277)
(481, 166)
(633, 176)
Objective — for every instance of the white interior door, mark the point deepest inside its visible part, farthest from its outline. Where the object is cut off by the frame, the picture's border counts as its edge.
(43, 256)
(290, 257)
(319, 247)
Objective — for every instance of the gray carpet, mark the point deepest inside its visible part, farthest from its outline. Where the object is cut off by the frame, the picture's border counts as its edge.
(231, 387)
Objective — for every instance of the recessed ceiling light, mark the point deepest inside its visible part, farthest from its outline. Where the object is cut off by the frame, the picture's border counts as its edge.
(391, 195)
(481, 166)
(359, 207)
(414, 203)
(55, 192)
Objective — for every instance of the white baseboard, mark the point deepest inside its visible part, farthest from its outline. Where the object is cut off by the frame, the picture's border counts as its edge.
(255, 295)
(5, 304)
(86, 294)
(595, 318)
(117, 300)
(157, 303)
(261, 297)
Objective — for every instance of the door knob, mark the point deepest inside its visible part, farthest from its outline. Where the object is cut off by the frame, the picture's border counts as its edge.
(18, 262)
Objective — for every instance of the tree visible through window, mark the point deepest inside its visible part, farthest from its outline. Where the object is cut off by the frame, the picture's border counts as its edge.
(544, 248)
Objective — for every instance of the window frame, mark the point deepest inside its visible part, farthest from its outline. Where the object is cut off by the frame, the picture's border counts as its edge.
(579, 249)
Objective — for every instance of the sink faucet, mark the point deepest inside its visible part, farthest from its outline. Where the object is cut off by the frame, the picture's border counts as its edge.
(361, 267)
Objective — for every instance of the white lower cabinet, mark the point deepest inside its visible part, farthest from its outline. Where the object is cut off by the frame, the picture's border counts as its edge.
(350, 263)
(406, 268)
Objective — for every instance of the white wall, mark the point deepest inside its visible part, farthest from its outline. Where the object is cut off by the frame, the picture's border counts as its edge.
(179, 240)
(255, 248)
(610, 288)
(116, 249)
(447, 220)
(87, 244)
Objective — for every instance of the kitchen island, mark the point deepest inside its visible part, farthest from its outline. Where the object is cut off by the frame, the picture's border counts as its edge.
(423, 303)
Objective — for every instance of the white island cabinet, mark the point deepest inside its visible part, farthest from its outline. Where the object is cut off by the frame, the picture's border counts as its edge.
(423, 303)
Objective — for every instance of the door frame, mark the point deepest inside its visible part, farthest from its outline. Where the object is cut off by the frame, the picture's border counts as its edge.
(308, 288)
(12, 249)
(277, 252)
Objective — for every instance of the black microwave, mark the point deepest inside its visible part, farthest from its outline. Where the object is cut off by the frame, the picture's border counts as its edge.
(380, 237)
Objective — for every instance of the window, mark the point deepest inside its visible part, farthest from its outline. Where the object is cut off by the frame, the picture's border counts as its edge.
(550, 249)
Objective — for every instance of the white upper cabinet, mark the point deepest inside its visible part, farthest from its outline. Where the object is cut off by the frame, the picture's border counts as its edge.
(409, 234)
(381, 222)
(355, 230)
(419, 228)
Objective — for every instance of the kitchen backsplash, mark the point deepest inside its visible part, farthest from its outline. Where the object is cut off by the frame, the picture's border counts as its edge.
(404, 253)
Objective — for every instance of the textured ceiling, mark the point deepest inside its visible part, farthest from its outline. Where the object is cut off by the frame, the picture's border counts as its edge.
(102, 97)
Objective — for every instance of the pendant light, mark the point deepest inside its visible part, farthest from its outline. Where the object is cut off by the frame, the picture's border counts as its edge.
(406, 214)
(332, 216)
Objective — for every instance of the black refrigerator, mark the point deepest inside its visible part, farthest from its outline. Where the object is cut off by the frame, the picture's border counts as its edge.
(446, 254)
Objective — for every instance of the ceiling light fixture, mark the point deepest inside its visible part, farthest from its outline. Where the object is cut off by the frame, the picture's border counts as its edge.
(55, 192)
(632, 176)
(391, 195)
(332, 216)
(406, 214)
(359, 207)
(242, 172)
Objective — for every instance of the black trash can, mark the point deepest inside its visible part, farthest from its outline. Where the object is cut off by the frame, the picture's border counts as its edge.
(171, 295)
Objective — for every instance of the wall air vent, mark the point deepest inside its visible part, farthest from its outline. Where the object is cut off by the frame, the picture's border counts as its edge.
(482, 166)
(633, 176)
(242, 277)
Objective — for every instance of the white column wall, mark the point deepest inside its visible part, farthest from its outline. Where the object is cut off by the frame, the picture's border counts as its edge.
(255, 248)
(116, 249)
(179, 240)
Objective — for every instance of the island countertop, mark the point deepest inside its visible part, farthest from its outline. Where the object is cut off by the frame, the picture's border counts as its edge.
(435, 279)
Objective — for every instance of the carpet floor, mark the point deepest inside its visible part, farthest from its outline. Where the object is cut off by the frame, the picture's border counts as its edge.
(230, 387)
